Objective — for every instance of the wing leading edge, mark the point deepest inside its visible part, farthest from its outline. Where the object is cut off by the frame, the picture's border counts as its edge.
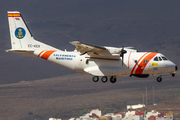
(91, 49)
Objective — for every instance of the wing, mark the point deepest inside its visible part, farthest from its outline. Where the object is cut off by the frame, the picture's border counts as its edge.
(91, 49)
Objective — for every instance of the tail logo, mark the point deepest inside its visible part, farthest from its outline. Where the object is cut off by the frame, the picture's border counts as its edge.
(20, 33)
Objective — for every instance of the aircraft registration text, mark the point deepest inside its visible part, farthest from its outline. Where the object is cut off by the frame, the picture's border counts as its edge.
(35, 46)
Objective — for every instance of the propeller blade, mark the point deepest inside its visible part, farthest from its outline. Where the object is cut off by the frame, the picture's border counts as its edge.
(122, 52)
(122, 55)
(122, 59)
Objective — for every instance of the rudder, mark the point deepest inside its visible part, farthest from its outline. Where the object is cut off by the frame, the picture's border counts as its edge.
(19, 33)
(22, 40)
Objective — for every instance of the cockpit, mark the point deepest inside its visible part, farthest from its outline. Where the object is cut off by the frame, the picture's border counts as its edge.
(160, 58)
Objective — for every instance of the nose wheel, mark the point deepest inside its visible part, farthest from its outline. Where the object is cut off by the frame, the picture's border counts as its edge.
(159, 79)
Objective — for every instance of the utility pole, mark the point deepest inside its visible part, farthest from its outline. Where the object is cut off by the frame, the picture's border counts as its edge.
(143, 98)
(153, 95)
(146, 97)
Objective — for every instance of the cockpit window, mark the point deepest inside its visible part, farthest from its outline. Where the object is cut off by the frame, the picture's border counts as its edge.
(156, 59)
(164, 58)
(160, 58)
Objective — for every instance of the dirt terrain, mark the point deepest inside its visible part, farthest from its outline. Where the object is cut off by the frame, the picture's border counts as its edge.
(76, 94)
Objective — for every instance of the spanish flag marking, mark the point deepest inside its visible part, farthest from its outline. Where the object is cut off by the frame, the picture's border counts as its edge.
(14, 15)
(154, 64)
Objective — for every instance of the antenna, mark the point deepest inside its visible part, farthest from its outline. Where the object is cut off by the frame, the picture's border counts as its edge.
(139, 46)
(153, 95)
(146, 97)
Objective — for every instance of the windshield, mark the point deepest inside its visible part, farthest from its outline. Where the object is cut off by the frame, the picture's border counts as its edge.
(160, 58)
(164, 58)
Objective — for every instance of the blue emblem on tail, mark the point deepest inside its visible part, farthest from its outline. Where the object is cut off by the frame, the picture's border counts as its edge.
(20, 33)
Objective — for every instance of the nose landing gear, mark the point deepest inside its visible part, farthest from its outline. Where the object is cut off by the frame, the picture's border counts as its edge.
(173, 75)
(159, 79)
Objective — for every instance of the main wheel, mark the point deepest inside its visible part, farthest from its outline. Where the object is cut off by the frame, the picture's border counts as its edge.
(95, 78)
(113, 79)
(104, 79)
(173, 75)
(159, 79)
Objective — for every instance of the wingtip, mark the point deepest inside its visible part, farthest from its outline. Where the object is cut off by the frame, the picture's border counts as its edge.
(74, 42)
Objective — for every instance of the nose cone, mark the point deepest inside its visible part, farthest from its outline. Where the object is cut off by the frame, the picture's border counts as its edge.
(171, 67)
(176, 68)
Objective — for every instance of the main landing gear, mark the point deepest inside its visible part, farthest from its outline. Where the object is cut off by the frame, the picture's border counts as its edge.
(104, 79)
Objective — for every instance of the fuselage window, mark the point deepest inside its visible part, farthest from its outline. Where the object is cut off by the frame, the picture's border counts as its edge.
(164, 58)
(156, 59)
(160, 58)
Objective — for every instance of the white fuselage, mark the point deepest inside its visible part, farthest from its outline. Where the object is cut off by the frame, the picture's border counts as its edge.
(90, 59)
(134, 63)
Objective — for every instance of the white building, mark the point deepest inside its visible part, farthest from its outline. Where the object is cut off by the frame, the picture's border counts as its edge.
(130, 113)
(109, 114)
(95, 111)
(114, 116)
(152, 113)
(133, 117)
(54, 119)
(135, 106)
(117, 117)
(72, 119)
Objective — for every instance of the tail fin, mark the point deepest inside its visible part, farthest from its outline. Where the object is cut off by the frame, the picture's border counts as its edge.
(21, 37)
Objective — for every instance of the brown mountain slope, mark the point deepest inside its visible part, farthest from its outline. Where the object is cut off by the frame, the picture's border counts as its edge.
(76, 94)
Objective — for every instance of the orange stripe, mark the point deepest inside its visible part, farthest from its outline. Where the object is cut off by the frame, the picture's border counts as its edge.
(41, 53)
(14, 15)
(143, 64)
(47, 54)
(128, 60)
(138, 62)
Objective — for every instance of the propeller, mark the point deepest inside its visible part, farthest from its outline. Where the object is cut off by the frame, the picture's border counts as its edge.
(122, 52)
